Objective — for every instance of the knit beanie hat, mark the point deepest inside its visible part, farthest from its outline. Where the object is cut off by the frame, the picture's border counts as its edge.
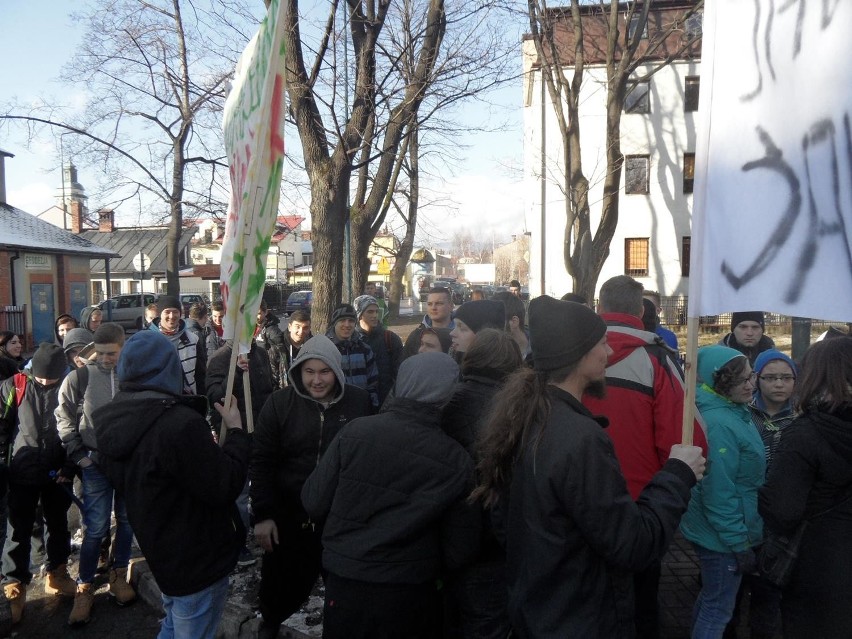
(149, 360)
(713, 358)
(343, 311)
(480, 314)
(168, 301)
(747, 316)
(49, 361)
(772, 355)
(561, 333)
(77, 338)
(362, 302)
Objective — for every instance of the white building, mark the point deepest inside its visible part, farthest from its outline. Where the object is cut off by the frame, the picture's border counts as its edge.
(651, 242)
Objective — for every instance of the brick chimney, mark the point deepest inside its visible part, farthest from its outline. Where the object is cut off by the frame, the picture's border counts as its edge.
(106, 221)
(3, 156)
(76, 217)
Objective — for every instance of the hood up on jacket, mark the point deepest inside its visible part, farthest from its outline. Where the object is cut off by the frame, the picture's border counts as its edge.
(713, 358)
(322, 348)
(428, 378)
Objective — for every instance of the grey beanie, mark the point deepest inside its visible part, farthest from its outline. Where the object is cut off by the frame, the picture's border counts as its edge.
(362, 302)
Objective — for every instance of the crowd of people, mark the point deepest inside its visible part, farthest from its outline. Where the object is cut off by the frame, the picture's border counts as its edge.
(507, 470)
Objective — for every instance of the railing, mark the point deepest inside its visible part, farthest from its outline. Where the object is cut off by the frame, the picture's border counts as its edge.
(13, 318)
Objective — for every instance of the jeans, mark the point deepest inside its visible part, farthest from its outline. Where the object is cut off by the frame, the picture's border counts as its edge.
(194, 616)
(720, 582)
(98, 499)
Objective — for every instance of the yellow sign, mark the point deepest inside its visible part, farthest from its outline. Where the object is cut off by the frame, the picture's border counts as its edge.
(384, 266)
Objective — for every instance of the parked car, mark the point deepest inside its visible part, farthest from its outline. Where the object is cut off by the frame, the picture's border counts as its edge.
(126, 310)
(299, 301)
(188, 299)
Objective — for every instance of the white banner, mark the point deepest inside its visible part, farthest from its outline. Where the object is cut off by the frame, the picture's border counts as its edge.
(772, 222)
(253, 124)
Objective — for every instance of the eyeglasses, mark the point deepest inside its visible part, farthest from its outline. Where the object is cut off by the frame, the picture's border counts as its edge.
(746, 380)
(771, 379)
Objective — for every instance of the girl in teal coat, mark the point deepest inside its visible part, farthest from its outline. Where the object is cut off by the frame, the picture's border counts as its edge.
(722, 520)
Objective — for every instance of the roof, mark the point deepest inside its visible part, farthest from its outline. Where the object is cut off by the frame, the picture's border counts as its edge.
(204, 271)
(127, 243)
(23, 231)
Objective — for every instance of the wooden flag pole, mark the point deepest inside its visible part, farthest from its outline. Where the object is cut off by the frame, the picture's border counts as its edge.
(691, 379)
(235, 353)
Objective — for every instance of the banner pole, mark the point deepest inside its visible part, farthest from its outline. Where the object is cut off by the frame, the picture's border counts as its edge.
(691, 379)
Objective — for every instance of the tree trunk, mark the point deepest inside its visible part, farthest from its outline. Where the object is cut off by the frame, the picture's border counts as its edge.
(407, 245)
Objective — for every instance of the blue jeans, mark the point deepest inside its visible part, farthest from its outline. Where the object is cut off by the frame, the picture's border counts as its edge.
(720, 583)
(98, 498)
(195, 616)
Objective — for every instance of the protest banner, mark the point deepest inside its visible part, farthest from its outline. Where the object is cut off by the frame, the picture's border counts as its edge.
(772, 212)
(253, 126)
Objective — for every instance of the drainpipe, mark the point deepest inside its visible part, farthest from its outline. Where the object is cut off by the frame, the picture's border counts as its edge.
(12, 259)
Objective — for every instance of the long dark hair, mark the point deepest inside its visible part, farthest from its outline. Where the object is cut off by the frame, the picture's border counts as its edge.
(516, 418)
(5, 338)
(826, 375)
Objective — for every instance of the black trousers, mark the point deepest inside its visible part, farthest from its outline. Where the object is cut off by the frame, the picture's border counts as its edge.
(289, 572)
(23, 503)
(363, 610)
(646, 588)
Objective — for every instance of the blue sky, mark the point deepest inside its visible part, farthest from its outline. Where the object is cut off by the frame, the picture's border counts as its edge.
(39, 37)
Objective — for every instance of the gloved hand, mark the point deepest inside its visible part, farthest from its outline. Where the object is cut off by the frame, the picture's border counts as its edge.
(746, 562)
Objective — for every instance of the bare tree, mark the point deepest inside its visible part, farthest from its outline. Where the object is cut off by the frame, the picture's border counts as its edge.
(155, 72)
(614, 34)
(425, 72)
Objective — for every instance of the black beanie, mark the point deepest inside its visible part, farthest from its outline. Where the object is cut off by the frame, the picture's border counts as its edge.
(168, 301)
(343, 311)
(747, 316)
(561, 333)
(480, 314)
(49, 361)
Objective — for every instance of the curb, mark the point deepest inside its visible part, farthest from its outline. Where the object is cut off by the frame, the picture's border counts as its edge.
(238, 621)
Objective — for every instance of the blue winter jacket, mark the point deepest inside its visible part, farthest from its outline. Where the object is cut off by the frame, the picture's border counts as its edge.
(358, 363)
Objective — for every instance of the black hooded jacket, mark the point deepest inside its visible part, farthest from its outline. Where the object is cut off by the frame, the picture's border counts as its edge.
(179, 486)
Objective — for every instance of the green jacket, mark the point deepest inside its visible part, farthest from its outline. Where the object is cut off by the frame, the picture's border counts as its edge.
(722, 514)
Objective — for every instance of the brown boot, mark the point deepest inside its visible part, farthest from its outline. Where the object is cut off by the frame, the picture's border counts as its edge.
(119, 586)
(82, 610)
(59, 582)
(16, 595)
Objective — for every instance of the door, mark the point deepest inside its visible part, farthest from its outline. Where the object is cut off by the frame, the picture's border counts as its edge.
(79, 301)
(43, 313)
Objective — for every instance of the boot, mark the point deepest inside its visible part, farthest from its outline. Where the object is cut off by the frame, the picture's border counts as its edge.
(59, 582)
(16, 595)
(82, 610)
(119, 586)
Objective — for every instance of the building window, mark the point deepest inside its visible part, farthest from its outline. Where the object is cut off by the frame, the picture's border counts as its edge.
(634, 24)
(690, 94)
(694, 25)
(636, 174)
(685, 255)
(208, 260)
(208, 236)
(688, 172)
(636, 256)
(307, 259)
(134, 286)
(638, 100)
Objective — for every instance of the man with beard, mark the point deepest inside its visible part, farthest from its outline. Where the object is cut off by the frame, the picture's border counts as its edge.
(573, 532)
(644, 406)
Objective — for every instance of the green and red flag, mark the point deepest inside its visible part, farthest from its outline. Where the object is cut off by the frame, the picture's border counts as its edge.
(254, 141)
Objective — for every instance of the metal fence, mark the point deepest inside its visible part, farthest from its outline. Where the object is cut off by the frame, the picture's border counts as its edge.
(13, 318)
(673, 312)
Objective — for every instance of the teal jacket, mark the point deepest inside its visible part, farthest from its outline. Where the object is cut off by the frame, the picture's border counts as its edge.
(722, 514)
